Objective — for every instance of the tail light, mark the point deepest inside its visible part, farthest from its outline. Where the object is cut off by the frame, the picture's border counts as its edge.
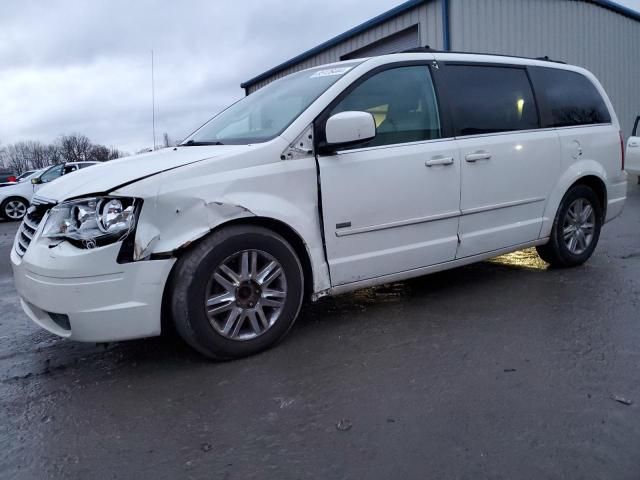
(622, 149)
(12, 178)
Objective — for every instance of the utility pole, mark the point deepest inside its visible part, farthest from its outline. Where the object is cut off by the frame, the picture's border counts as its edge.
(153, 104)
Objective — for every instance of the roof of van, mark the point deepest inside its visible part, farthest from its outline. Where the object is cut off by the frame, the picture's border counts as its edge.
(394, 12)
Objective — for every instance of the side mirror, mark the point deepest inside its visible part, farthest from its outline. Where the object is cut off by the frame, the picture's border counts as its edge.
(348, 128)
(36, 181)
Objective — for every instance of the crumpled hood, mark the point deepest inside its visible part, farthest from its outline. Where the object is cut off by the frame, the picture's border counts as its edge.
(110, 175)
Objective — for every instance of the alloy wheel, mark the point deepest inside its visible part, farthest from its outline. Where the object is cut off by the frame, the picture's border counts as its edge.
(15, 209)
(245, 295)
(578, 226)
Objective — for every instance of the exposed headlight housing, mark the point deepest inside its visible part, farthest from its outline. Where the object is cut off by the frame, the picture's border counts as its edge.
(92, 221)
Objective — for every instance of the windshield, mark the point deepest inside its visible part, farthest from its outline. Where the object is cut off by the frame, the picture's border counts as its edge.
(265, 114)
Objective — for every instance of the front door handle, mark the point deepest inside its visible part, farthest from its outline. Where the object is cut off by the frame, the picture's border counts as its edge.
(439, 161)
(474, 157)
(634, 144)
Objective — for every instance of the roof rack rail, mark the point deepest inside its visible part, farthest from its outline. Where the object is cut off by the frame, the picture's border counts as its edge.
(428, 49)
(547, 59)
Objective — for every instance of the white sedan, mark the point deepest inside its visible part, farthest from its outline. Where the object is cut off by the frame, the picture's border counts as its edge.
(15, 199)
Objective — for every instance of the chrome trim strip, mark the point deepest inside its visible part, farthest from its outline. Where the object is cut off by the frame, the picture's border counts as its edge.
(401, 223)
(431, 218)
(498, 206)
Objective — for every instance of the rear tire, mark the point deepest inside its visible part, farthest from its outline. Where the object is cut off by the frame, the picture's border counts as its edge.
(238, 292)
(14, 208)
(576, 229)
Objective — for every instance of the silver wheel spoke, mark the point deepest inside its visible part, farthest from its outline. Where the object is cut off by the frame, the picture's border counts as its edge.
(264, 273)
(275, 274)
(270, 302)
(232, 320)
(254, 265)
(239, 323)
(226, 284)
(586, 213)
(230, 273)
(253, 320)
(220, 303)
(244, 266)
(273, 293)
(262, 317)
(568, 231)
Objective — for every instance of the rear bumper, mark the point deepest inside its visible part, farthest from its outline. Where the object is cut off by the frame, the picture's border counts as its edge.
(616, 196)
(113, 302)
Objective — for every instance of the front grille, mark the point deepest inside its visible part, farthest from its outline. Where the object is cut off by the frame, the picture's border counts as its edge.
(30, 223)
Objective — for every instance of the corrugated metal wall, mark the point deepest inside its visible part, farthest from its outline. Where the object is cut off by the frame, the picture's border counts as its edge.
(574, 31)
(404, 40)
(427, 16)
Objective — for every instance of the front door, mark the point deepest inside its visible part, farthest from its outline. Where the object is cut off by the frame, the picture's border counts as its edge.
(391, 204)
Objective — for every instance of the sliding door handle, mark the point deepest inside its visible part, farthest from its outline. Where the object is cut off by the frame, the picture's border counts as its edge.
(474, 157)
(439, 161)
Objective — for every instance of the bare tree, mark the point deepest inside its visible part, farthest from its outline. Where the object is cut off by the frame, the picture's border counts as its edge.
(75, 147)
(23, 156)
(18, 157)
(99, 153)
(37, 154)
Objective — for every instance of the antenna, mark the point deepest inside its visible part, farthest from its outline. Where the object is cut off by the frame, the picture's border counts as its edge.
(153, 104)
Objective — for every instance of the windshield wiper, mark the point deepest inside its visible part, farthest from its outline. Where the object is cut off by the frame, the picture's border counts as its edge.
(192, 143)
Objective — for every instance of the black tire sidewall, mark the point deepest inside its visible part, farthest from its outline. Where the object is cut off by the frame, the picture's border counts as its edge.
(190, 317)
(579, 191)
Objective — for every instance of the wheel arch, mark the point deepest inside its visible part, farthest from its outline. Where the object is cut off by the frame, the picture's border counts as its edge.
(281, 228)
(588, 173)
(598, 186)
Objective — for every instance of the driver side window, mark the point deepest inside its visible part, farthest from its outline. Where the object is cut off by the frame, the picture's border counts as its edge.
(403, 103)
(51, 174)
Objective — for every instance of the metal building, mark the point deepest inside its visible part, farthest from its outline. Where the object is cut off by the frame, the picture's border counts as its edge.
(599, 35)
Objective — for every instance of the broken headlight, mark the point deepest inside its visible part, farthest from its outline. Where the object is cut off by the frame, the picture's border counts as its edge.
(92, 220)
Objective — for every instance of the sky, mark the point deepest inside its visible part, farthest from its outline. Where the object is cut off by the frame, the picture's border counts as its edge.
(71, 66)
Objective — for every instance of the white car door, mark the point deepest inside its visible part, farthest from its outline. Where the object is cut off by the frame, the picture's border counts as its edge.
(508, 163)
(632, 156)
(391, 204)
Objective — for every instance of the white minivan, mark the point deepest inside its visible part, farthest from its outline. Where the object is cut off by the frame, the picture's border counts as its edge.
(328, 180)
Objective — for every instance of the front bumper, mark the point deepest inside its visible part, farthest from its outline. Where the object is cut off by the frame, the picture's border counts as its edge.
(104, 301)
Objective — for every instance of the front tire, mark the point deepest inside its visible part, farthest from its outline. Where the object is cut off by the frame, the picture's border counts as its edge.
(14, 208)
(576, 229)
(238, 292)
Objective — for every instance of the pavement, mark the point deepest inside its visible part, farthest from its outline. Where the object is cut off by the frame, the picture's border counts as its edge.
(500, 370)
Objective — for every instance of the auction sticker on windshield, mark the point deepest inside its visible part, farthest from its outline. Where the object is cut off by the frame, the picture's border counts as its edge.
(331, 72)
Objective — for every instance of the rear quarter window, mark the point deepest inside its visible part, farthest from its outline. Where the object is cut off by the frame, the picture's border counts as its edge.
(567, 98)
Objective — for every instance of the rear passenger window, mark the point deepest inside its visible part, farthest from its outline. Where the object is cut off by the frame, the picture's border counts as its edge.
(402, 102)
(568, 98)
(487, 99)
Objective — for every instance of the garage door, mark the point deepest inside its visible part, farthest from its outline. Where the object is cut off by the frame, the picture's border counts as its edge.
(403, 40)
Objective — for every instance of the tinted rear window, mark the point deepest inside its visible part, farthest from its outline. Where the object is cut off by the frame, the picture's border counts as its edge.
(487, 99)
(568, 98)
